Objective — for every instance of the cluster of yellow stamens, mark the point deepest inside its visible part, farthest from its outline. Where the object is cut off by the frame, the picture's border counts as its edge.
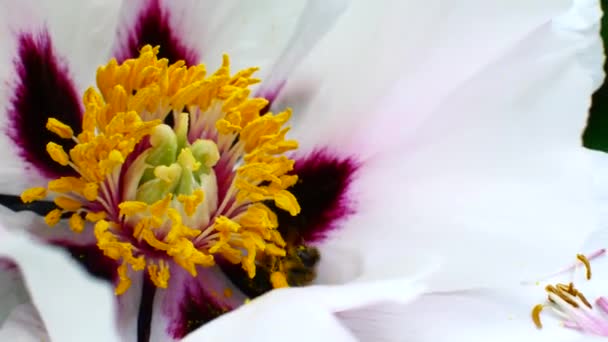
(150, 186)
(565, 292)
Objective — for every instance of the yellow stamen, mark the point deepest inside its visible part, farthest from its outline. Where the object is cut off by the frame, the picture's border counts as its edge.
(33, 194)
(53, 217)
(76, 223)
(536, 310)
(585, 262)
(59, 128)
(57, 153)
(159, 274)
(67, 203)
(190, 202)
(278, 280)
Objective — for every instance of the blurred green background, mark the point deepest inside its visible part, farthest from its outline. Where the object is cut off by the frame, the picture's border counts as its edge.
(596, 134)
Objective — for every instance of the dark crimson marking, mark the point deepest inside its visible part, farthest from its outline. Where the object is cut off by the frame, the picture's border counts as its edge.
(252, 288)
(93, 260)
(144, 318)
(323, 181)
(43, 89)
(153, 27)
(196, 310)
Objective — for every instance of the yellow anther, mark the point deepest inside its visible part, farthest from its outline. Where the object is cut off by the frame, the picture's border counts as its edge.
(159, 274)
(66, 184)
(287, 201)
(33, 194)
(536, 310)
(272, 249)
(95, 217)
(585, 262)
(227, 293)
(159, 208)
(90, 191)
(57, 153)
(67, 203)
(124, 282)
(53, 217)
(59, 128)
(131, 208)
(76, 223)
(191, 202)
(278, 280)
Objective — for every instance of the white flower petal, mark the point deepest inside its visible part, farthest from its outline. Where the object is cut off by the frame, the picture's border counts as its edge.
(82, 32)
(303, 314)
(316, 19)
(252, 33)
(480, 316)
(433, 47)
(72, 304)
(494, 167)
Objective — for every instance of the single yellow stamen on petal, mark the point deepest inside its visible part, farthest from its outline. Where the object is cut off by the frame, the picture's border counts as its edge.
(59, 128)
(585, 262)
(33, 194)
(536, 310)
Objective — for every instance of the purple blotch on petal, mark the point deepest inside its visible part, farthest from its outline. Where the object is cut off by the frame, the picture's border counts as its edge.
(153, 26)
(189, 302)
(43, 89)
(322, 191)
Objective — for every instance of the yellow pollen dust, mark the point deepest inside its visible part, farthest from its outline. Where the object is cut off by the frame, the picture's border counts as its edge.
(123, 143)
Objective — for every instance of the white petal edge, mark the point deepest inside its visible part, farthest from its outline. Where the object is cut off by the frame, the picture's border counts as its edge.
(72, 305)
(302, 314)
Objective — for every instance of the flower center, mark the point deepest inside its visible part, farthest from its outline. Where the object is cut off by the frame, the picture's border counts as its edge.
(175, 168)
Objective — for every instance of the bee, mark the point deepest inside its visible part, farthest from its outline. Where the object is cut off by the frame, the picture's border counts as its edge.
(299, 265)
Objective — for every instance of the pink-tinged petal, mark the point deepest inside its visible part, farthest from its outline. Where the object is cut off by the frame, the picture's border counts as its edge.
(152, 22)
(24, 325)
(12, 288)
(189, 302)
(60, 289)
(43, 89)
(304, 313)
